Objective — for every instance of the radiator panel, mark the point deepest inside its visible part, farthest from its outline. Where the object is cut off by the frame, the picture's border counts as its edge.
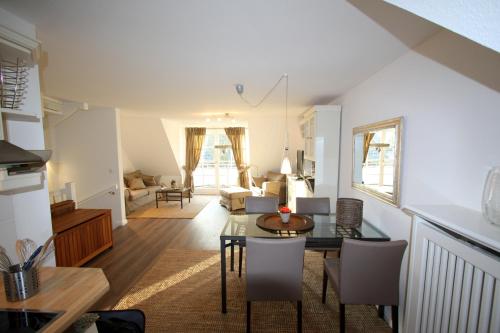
(453, 286)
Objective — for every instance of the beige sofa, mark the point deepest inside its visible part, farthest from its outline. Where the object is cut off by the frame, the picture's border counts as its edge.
(135, 196)
(273, 184)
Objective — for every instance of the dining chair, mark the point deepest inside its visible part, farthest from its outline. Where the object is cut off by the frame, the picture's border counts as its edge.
(313, 206)
(261, 205)
(257, 205)
(268, 281)
(366, 273)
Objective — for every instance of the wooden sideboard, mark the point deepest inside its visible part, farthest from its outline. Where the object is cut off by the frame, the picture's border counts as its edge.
(82, 234)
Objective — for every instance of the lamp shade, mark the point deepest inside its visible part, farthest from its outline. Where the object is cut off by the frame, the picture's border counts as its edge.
(286, 167)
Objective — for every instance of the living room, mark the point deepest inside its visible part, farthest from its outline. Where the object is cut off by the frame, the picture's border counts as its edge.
(128, 81)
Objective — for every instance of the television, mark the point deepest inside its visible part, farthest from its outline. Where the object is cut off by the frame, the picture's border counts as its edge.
(300, 162)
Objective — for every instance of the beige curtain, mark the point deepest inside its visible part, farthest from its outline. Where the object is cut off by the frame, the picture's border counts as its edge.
(366, 144)
(236, 136)
(194, 143)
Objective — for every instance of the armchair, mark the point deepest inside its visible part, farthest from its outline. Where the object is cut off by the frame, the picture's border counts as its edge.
(274, 184)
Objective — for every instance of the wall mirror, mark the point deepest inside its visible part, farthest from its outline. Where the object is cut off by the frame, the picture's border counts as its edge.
(377, 159)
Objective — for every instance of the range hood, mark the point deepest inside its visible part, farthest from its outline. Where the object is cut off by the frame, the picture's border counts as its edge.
(18, 160)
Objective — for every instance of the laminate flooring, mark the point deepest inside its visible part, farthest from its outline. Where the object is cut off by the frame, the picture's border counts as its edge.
(138, 244)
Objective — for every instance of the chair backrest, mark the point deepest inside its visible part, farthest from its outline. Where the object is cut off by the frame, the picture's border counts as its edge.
(313, 206)
(274, 268)
(261, 205)
(369, 271)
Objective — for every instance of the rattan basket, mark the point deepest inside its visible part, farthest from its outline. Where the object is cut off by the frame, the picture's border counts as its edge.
(349, 212)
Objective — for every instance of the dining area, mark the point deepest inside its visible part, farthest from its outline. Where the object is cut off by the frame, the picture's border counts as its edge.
(360, 264)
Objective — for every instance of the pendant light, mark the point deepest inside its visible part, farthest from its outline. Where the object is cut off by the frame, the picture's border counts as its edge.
(286, 167)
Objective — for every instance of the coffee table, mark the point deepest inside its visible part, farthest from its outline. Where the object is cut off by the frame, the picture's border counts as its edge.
(173, 194)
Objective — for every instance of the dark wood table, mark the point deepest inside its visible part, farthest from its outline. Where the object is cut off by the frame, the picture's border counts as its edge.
(173, 194)
(326, 234)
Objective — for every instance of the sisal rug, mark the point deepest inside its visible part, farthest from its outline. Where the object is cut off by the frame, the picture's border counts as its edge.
(181, 293)
(172, 209)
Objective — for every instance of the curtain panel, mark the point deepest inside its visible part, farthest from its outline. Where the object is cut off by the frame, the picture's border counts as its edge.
(366, 144)
(194, 143)
(236, 136)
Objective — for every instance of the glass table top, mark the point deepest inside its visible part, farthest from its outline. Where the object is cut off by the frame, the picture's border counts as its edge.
(241, 226)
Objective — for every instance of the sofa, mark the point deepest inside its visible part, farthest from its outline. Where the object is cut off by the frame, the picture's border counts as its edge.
(273, 184)
(140, 189)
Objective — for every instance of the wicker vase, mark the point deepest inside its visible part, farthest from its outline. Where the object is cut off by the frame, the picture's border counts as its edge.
(349, 212)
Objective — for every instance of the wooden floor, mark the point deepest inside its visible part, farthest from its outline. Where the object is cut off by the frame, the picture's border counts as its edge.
(137, 245)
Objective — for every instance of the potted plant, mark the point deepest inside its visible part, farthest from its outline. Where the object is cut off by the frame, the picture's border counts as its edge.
(285, 214)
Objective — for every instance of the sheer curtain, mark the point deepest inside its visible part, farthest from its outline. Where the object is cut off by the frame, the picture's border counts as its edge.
(194, 143)
(236, 136)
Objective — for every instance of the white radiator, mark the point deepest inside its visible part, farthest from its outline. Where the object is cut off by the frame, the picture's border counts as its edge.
(454, 286)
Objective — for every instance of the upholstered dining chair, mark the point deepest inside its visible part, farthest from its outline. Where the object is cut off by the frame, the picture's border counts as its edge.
(367, 273)
(313, 206)
(269, 281)
(257, 205)
(261, 205)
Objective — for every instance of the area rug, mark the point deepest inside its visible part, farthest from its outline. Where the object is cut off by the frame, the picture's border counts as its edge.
(181, 293)
(172, 209)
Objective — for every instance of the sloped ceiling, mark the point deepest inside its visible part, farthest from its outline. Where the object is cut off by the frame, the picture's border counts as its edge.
(182, 58)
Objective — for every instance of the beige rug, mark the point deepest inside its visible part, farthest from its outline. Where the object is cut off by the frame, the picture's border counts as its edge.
(172, 209)
(181, 293)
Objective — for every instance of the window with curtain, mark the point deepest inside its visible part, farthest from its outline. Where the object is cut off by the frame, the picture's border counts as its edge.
(216, 168)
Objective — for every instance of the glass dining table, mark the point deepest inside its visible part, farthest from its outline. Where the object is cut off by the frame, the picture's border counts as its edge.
(325, 235)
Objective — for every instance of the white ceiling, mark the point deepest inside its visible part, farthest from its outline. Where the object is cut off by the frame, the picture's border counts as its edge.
(183, 57)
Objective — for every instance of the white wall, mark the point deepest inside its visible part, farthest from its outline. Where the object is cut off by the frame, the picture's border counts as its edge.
(25, 214)
(477, 20)
(447, 90)
(87, 152)
(147, 146)
(267, 140)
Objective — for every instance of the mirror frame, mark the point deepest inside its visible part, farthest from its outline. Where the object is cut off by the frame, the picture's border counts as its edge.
(397, 123)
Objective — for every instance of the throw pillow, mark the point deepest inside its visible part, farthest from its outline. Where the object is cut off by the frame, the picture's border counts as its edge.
(127, 178)
(258, 181)
(136, 184)
(149, 180)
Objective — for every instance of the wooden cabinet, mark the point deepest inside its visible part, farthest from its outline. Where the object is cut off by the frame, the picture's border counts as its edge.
(81, 235)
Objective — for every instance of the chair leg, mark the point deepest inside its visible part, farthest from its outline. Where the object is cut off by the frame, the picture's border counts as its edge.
(342, 317)
(232, 256)
(325, 284)
(240, 260)
(324, 254)
(395, 319)
(299, 316)
(381, 311)
(249, 321)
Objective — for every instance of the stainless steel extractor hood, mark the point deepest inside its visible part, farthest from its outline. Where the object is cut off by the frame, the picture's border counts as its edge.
(18, 160)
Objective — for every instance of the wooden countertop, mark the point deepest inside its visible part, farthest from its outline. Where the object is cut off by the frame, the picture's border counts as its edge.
(68, 289)
(78, 216)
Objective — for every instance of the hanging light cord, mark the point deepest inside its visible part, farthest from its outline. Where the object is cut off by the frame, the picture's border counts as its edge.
(286, 111)
(267, 94)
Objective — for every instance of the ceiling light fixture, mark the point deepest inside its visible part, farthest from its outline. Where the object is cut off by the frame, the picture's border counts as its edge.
(286, 167)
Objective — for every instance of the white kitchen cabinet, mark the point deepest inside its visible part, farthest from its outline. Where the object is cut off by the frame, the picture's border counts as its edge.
(320, 127)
